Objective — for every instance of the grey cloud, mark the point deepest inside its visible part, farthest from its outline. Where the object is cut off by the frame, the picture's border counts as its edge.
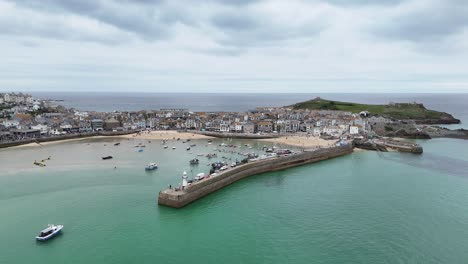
(254, 29)
(46, 27)
(354, 3)
(236, 2)
(234, 22)
(221, 51)
(28, 43)
(431, 23)
(148, 19)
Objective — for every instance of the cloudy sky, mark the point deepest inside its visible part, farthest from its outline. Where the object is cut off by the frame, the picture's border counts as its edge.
(234, 45)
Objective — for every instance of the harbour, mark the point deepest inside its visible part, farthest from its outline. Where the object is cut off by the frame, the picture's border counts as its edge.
(326, 210)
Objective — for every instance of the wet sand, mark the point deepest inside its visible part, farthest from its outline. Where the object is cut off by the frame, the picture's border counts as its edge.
(165, 134)
(301, 141)
(152, 135)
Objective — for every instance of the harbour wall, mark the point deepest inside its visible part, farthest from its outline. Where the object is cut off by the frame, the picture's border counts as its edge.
(195, 191)
(64, 137)
(384, 144)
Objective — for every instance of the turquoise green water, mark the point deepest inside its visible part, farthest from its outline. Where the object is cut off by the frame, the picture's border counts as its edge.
(361, 208)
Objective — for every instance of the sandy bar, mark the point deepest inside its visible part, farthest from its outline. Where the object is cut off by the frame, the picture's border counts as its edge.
(301, 141)
(164, 134)
(152, 135)
(60, 141)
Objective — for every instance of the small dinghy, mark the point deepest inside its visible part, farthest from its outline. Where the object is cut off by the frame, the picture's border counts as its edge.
(107, 157)
(50, 232)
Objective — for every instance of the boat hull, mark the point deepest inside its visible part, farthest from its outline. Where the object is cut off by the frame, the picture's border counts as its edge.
(51, 235)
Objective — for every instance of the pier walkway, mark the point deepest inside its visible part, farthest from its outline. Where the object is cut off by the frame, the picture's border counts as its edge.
(197, 190)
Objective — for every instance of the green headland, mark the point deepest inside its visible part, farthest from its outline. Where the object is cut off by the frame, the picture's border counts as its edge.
(400, 111)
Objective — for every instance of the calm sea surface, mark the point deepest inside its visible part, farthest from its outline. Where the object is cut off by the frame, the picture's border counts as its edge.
(361, 208)
(455, 104)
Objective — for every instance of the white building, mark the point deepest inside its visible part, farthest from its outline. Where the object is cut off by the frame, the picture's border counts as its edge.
(317, 132)
(353, 130)
(11, 123)
(19, 99)
(43, 128)
(224, 128)
(153, 123)
(238, 128)
(36, 107)
(81, 114)
(189, 123)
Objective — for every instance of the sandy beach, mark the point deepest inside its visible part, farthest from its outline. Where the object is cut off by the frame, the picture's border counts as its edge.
(306, 142)
(164, 134)
(151, 135)
(60, 141)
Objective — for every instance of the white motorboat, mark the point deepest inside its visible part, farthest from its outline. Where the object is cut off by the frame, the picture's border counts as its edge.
(200, 176)
(50, 232)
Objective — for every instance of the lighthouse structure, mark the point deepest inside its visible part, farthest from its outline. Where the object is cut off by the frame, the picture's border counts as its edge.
(184, 180)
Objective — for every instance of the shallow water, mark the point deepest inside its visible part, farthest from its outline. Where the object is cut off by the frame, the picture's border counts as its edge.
(361, 208)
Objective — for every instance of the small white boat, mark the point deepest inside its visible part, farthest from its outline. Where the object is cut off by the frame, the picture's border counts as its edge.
(200, 176)
(151, 166)
(50, 232)
(165, 147)
(173, 147)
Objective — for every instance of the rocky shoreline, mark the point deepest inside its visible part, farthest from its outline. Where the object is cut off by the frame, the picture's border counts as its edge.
(443, 121)
(442, 132)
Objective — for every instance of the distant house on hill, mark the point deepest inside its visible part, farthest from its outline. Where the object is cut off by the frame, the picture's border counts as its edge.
(364, 113)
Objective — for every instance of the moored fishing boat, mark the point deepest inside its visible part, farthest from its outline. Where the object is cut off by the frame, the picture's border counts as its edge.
(50, 232)
(194, 161)
(151, 166)
(40, 164)
(107, 157)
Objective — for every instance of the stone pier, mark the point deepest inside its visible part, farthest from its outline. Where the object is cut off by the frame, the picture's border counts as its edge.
(195, 191)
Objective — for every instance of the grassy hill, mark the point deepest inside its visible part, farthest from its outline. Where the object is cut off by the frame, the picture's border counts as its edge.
(401, 111)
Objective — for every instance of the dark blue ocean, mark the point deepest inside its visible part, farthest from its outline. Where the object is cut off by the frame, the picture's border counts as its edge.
(455, 104)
